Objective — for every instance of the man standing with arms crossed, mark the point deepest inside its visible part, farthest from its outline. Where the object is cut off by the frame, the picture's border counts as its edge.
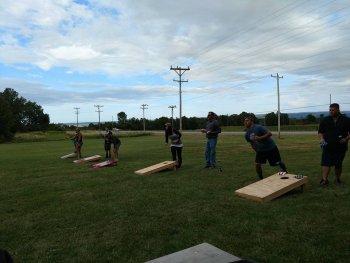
(211, 131)
(266, 149)
(334, 134)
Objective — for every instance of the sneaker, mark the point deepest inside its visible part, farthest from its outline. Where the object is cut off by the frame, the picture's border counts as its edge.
(337, 181)
(323, 182)
(212, 167)
(207, 166)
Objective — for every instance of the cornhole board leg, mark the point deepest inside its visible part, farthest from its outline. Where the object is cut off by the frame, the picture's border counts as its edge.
(271, 187)
(202, 253)
(157, 167)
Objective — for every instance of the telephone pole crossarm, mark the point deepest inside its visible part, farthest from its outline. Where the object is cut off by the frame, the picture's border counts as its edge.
(180, 71)
(143, 108)
(99, 111)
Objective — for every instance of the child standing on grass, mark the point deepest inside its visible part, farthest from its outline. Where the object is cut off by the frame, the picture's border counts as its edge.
(176, 145)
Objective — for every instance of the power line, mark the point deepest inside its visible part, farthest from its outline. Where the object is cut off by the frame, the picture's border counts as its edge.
(253, 25)
(282, 41)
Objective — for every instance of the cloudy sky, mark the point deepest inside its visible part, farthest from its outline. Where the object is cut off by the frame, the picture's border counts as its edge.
(66, 54)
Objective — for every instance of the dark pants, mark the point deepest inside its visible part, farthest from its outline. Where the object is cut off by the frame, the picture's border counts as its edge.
(177, 151)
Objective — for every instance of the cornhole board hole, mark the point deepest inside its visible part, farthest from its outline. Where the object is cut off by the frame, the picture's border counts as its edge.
(93, 158)
(157, 167)
(68, 156)
(202, 253)
(103, 164)
(272, 187)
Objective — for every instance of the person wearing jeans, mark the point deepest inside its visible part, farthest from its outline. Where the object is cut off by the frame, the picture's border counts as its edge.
(211, 132)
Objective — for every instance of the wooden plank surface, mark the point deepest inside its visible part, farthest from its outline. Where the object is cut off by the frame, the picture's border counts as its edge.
(271, 187)
(88, 159)
(157, 167)
(68, 156)
(202, 253)
(103, 164)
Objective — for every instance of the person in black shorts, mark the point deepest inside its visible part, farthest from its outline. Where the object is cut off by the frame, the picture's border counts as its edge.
(107, 142)
(334, 134)
(265, 147)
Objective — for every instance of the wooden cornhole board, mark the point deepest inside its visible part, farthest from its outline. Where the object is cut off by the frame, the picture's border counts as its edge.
(272, 187)
(157, 167)
(103, 164)
(88, 159)
(202, 253)
(68, 156)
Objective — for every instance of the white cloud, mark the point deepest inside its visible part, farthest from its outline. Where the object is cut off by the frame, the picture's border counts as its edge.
(74, 53)
(232, 47)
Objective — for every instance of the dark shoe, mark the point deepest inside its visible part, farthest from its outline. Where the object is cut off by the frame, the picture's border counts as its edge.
(207, 166)
(324, 182)
(337, 181)
(260, 177)
(212, 167)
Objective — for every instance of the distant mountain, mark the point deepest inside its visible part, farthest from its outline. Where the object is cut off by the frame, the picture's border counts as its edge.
(303, 115)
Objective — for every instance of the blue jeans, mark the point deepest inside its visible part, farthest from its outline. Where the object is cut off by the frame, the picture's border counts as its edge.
(210, 151)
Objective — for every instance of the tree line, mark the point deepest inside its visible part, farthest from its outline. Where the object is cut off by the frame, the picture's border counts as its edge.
(18, 114)
(194, 123)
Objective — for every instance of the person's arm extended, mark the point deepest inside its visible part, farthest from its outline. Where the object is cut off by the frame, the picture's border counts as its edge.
(264, 136)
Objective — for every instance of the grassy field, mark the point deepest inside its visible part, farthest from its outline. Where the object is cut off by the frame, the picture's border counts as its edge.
(55, 211)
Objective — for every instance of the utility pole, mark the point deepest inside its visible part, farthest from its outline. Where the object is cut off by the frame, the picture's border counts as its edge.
(99, 111)
(77, 113)
(172, 114)
(180, 71)
(144, 107)
(278, 98)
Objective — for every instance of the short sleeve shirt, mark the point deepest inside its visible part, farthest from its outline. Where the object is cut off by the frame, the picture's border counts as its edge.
(334, 131)
(261, 146)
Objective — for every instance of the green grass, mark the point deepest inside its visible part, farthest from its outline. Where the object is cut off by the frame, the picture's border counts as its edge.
(55, 211)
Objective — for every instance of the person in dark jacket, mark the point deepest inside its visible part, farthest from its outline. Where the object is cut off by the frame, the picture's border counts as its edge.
(334, 134)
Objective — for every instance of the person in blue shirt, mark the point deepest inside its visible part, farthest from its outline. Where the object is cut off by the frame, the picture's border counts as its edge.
(265, 147)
